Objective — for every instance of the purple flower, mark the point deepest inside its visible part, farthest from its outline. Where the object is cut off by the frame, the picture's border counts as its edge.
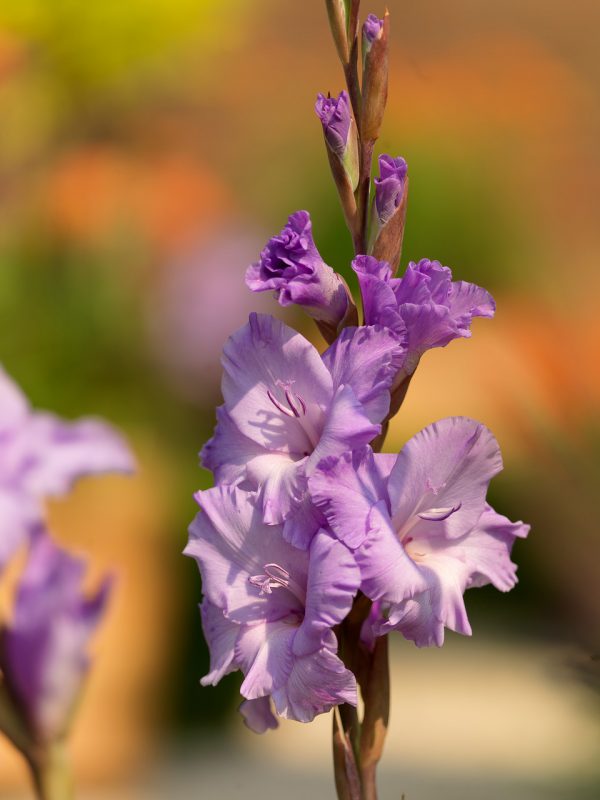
(291, 265)
(425, 308)
(44, 649)
(269, 609)
(286, 408)
(336, 118)
(372, 28)
(42, 456)
(423, 534)
(389, 187)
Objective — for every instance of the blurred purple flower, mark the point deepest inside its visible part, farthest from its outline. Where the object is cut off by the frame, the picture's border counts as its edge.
(389, 187)
(41, 456)
(43, 656)
(424, 533)
(336, 118)
(269, 609)
(425, 308)
(286, 408)
(291, 265)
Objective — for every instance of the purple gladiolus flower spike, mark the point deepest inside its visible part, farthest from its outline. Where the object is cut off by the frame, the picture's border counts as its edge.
(372, 28)
(286, 408)
(390, 186)
(336, 117)
(269, 609)
(291, 265)
(44, 649)
(42, 455)
(423, 534)
(425, 308)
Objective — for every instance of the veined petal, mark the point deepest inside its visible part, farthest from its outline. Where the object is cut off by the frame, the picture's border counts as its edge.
(387, 572)
(448, 464)
(257, 714)
(231, 544)
(228, 452)
(467, 300)
(346, 427)
(346, 488)
(333, 581)
(267, 358)
(221, 635)
(302, 523)
(316, 683)
(264, 651)
(280, 484)
(367, 359)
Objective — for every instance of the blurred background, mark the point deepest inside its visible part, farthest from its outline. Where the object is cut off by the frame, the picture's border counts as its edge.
(148, 151)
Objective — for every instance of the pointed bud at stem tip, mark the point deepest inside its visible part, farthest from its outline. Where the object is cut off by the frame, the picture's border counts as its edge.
(375, 77)
(338, 12)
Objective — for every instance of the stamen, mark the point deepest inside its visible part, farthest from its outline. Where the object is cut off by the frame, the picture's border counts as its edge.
(293, 408)
(291, 398)
(278, 405)
(273, 577)
(439, 514)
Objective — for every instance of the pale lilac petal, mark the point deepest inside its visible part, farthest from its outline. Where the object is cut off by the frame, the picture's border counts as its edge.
(228, 452)
(221, 635)
(333, 581)
(14, 408)
(367, 359)
(448, 463)
(387, 572)
(19, 514)
(346, 427)
(231, 543)
(44, 657)
(302, 523)
(380, 306)
(264, 651)
(280, 484)
(262, 361)
(55, 453)
(486, 551)
(346, 488)
(257, 714)
(316, 683)
(467, 300)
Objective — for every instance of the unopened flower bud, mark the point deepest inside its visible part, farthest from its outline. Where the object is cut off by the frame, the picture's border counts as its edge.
(389, 187)
(338, 13)
(375, 78)
(339, 130)
(389, 209)
(372, 30)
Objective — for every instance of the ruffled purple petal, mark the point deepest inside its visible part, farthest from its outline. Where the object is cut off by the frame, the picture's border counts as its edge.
(347, 427)
(275, 386)
(232, 544)
(367, 359)
(316, 683)
(346, 488)
(264, 651)
(448, 465)
(221, 635)
(257, 715)
(333, 581)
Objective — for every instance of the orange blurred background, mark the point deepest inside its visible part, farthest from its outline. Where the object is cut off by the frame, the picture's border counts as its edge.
(148, 151)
